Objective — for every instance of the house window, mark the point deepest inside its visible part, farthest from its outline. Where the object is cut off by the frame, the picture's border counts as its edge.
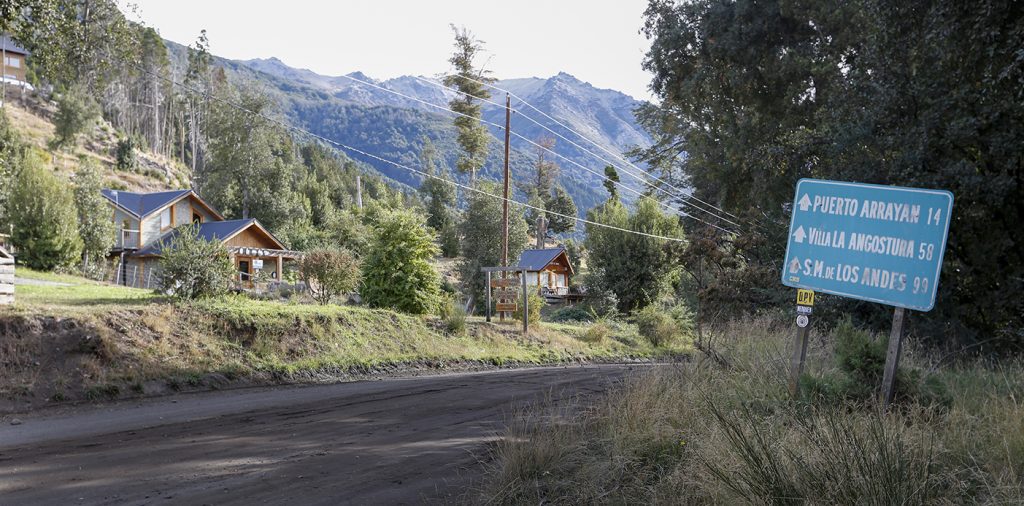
(166, 218)
(13, 62)
(196, 218)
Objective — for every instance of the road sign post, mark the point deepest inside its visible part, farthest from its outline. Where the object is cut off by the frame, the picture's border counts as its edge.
(876, 243)
(488, 296)
(805, 303)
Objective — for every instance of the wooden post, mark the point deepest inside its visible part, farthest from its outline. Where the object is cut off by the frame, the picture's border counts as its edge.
(488, 296)
(279, 268)
(796, 363)
(892, 359)
(526, 305)
(504, 203)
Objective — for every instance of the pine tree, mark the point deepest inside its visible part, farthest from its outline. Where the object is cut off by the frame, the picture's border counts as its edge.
(467, 79)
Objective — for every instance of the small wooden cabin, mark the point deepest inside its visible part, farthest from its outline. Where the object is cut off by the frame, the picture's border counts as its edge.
(6, 277)
(548, 269)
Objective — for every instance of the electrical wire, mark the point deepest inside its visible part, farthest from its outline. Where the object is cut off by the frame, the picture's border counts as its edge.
(402, 166)
(545, 148)
(598, 145)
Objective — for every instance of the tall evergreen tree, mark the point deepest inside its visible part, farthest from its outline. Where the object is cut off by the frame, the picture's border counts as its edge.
(473, 136)
(482, 237)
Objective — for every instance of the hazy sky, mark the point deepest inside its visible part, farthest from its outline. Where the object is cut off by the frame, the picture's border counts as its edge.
(596, 41)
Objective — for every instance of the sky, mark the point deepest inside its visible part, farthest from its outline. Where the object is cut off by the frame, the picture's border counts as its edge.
(596, 41)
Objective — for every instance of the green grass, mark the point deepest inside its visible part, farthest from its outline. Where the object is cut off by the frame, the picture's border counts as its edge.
(261, 341)
(80, 296)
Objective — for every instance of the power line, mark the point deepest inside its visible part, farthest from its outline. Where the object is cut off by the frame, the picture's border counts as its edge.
(557, 154)
(402, 166)
(599, 146)
(683, 198)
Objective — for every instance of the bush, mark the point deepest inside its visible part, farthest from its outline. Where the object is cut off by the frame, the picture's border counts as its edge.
(453, 315)
(597, 332)
(860, 361)
(536, 303)
(125, 154)
(42, 212)
(76, 113)
(656, 325)
(329, 272)
(95, 227)
(398, 273)
(193, 267)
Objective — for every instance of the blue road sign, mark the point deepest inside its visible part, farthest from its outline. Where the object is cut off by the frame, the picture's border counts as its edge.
(878, 243)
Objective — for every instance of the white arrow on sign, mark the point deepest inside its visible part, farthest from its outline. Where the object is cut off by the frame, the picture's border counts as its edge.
(804, 203)
(799, 235)
(794, 265)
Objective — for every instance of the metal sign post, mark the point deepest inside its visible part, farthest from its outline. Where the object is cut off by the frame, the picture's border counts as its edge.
(805, 305)
(876, 243)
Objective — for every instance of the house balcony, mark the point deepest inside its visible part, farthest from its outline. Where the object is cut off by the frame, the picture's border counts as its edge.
(127, 239)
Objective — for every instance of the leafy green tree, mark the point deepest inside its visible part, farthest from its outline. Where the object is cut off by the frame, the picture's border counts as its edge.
(11, 152)
(329, 272)
(635, 268)
(756, 95)
(42, 211)
(76, 113)
(95, 226)
(398, 273)
(193, 268)
(473, 136)
(482, 237)
(441, 200)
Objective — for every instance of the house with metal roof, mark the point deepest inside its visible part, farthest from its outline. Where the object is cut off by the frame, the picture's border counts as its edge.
(547, 269)
(13, 62)
(148, 222)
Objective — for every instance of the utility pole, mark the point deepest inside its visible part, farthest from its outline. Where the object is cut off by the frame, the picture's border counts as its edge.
(504, 203)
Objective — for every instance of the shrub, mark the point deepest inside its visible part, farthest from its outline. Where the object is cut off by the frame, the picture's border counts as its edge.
(329, 272)
(656, 325)
(125, 154)
(42, 211)
(453, 315)
(860, 361)
(398, 272)
(76, 112)
(597, 332)
(193, 267)
(536, 303)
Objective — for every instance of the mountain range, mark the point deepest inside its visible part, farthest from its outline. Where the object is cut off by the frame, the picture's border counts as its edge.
(364, 113)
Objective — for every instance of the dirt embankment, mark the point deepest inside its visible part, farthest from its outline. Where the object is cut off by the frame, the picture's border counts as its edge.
(160, 349)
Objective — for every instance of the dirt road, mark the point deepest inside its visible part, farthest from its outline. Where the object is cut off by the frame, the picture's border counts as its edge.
(395, 441)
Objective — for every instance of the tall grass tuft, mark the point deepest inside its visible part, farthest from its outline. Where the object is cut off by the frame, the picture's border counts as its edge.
(724, 430)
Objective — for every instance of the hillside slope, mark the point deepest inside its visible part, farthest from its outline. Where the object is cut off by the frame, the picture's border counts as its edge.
(368, 118)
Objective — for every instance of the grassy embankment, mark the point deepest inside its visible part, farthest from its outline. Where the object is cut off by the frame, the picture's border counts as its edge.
(91, 340)
(726, 431)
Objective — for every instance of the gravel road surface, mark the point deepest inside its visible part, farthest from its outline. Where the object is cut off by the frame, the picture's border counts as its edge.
(395, 441)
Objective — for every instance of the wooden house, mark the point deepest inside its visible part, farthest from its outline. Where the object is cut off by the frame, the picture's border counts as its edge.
(148, 222)
(14, 63)
(547, 269)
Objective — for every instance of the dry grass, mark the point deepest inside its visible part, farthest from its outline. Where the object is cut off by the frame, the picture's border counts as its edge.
(702, 433)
